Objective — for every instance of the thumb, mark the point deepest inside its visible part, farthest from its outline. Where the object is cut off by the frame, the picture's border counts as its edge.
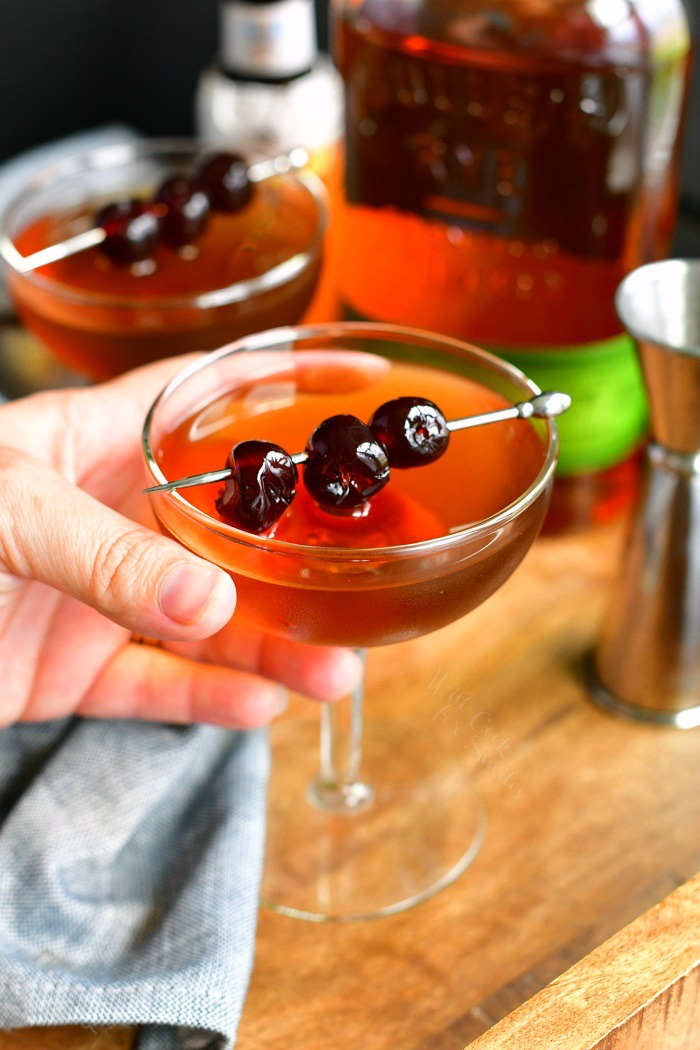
(55, 533)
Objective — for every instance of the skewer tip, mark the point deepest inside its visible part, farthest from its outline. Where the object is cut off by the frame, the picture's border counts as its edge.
(548, 403)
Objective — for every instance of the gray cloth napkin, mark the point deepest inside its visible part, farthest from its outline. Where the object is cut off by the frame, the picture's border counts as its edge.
(130, 861)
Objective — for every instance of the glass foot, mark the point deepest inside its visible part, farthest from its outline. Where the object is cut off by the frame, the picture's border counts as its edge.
(413, 832)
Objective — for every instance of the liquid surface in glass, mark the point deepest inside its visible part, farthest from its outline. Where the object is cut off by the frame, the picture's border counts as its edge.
(279, 222)
(483, 470)
(73, 308)
(375, 600)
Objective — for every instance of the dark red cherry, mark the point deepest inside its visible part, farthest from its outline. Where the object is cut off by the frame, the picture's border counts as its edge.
(186, 210)
(132, 231)
(224, 178)
(261, 487)
(413, 431)
(346, 464)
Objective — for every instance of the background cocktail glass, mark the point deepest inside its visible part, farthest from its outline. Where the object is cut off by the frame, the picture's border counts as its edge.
(376, 833)
(100, 331)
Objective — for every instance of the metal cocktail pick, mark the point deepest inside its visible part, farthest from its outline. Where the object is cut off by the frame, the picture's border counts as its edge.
(265, 169)
(542, 406)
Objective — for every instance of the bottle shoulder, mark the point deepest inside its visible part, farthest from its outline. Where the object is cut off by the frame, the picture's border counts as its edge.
(586, 31)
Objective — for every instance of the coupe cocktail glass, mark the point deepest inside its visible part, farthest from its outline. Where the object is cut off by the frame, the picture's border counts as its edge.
(374, 834)
(253, 269)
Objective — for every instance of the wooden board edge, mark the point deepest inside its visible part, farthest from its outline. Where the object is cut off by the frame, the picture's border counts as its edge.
(612, 984)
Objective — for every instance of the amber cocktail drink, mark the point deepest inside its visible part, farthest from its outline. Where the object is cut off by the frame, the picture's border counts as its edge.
(434, 543)
(252, 268)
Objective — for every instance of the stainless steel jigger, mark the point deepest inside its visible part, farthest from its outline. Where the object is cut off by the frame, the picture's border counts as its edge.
(647, 665)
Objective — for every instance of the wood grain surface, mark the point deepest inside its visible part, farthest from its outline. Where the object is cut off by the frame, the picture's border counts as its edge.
(638, 991)
(592, 821)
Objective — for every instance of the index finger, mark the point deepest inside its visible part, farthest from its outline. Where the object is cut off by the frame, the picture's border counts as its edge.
(71, 430)
(111, 415)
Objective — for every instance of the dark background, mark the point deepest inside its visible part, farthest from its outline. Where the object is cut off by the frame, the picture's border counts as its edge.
(67, 65)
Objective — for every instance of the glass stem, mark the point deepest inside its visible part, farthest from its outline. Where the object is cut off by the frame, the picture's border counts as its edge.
(337, 787)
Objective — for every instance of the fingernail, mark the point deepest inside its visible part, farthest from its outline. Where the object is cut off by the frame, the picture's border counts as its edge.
(282, 701)
(190, 593)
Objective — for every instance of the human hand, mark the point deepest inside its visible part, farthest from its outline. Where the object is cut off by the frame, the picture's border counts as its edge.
(82, 570)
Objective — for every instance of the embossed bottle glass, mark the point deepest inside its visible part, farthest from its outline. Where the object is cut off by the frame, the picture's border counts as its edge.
(507, 163)
(390, 818)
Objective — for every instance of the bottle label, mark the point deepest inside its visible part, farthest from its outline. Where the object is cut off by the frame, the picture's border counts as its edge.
(608, 414)
(271, 41)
